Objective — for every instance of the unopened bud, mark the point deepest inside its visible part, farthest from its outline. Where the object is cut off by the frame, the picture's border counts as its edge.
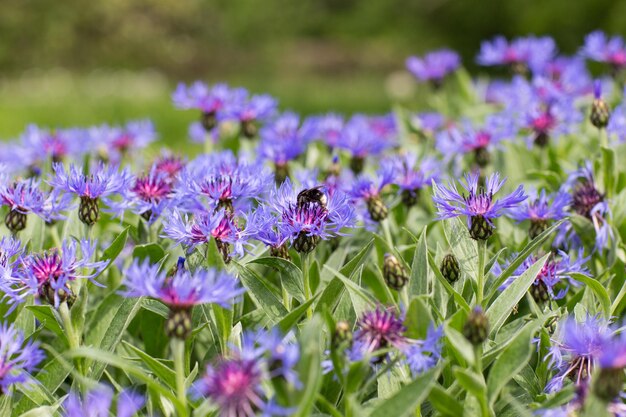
(476, 327)
(88, 210)
(342, 334)
(450, 268)
(377, 209)
(395, 274)
(15, 221)
(178, 324)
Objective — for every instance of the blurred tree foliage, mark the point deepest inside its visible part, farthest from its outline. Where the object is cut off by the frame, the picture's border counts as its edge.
(192, 38)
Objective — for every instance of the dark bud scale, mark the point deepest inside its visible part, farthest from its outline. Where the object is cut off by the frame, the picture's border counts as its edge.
(357, 163)
(539, 292)
(88, 210)
(542, 139)
(519, 68)
(224, 250)
(537, 227)
(249, 129)
(334, 242)
(585, 198)
(280, 252)
(450, 268)
(64, 294)
(476, 328)
(609, 383)
(147, 215)
(482, 157)
(304, 243)
(410, 197)
(395, 274)
(209, 120)
(227, 205)
(281, 172)
(178, 324)
(342, 334)
(377, 209)
(600, 113)
(15, 221)
(480, 228)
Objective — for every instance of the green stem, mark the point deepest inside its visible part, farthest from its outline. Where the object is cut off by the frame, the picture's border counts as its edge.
(604, 138)
(480, 279)
(178, 353)
(73, 339)
(478, 367)
(54, 234)
(387, 232)
(306, 282)
(286, 302)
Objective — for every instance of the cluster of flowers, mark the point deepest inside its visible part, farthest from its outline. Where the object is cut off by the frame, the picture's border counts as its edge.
(267, 197)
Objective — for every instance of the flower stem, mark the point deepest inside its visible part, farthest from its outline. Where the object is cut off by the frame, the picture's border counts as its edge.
(178, 352)
(480, 279)
(306, 282)
(478, 366)
(387, 232)
(73, 339)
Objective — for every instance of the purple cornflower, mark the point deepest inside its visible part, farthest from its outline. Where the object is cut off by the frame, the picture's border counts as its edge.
(479, 205)
(215, 103)
(98, 402)
(284, 140)
(366, 136)
(412, 175)
(555, 271)
(367, 191)
(55, 204)
(113, 142)
(184, 289)
(17, 358)
(568, 76)
(478, 141)
(589, 202)
(148, 196)
(428, 123)
(520, 54)
(541, 209)
(203, 226)
(49, 274)
(170, 165)
(103, 182)
(224, 181)
(611, 50)
(422, 355)
(434, 66)
(329, 128)
(379, 329)
(21, 197)
(579, 347)
(306, 221)
(41, 145)
(10, 255)
(257, 109)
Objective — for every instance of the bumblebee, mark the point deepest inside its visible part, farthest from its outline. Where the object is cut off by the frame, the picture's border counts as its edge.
(312, 195)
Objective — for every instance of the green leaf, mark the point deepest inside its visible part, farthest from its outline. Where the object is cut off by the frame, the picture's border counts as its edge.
(108, 324)
(598, 289)
(510, 362)
(261, 294)
(310, 366)
(418, 283)
(472, 382)
(163, 372)
(521, 257)
(49, 317)
(116, 247)
(460, 344)
(502, 307)
(609, 170)
(334, 290)
(290, 275)
(287, 322)
(356, 292)
(408, 398)
(445, 403)
(150, 251)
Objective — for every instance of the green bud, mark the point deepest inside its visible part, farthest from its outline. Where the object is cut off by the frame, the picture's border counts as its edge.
(395, 274)
(476, 328)
(450, 268)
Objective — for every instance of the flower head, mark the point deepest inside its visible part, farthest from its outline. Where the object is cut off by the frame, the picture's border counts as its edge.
(148, 195)
(478, 206)
(104, 180)
(284, 139)
(328, 128)
(113, 142)
(379, 329)
(541, 209)
(17, 358)
(40, 145)
(367, 192)
(412, 175)
(366, 136)
(599, 47)
(98, 402)
(520, 54)
(434, 66)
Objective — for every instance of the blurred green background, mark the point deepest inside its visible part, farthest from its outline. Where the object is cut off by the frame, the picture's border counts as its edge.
(77, 62)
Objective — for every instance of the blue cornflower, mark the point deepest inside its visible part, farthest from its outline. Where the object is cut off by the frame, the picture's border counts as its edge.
(269, 231)
(223, 181)
(49, 275)
(280, 352)
(21, 197)
(422, 355)
(56, 203)
(214, 102)
(305, 221)
(366, 136)
(366, 192)
(10, 256)
(113, 142)
(520, 54)
(40, 145)
(434, 66)
(17, 358)
(479, 205)
(555, 271)
(254, 110)
(601, 48)
(568, 76)
(103, 182)
(328, 128)
(98, 402)
(589, 202)
(541, 209)
(411, 175)
(379, 329)
(283, 140)
(428, 123)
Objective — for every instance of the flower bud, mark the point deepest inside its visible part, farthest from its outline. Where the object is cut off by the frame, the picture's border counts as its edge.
(600, 113)
(281, 172)
(357, 163)
(88, 210)
(476, 328)
(410, 197)
(482, 157)
(209, 120)
(395, 274)
(305, 243)
(480, 228)
(537, 227)
(450, 268)
(249, 129)
(342, 334)
(178, 324)
(539, 292)
(280, 252)
(609, 383)
(377, 209)
(15, 221)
